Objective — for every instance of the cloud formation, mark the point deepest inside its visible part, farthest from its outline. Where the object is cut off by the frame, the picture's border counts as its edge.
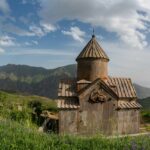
(7, 41)
(75, 33)
(128, 62)
(2, 50)
(127, 18)
(4, 7)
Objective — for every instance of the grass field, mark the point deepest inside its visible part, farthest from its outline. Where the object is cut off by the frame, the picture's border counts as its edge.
(17, 137)
(18, 129)
(20, 108)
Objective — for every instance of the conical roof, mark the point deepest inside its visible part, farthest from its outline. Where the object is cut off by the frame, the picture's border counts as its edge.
(92, 50)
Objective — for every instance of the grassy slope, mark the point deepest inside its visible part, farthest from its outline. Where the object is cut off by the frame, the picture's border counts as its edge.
(16, 107)
(14, 136)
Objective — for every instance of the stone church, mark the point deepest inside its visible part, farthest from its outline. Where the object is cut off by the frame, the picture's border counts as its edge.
(94, 102)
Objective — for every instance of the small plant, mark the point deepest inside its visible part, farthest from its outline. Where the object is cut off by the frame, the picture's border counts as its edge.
(37, 110)
(2, 97)
(19, 116)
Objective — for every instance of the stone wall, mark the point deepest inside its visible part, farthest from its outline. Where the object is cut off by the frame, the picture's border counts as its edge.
(68, 121)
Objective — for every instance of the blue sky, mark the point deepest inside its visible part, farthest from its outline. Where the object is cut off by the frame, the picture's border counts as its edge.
(51, 33)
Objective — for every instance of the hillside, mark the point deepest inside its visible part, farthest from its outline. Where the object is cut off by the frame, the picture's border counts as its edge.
(145, 103)
(142, 92)
(34, 80)
(20, 107)
(42, 82)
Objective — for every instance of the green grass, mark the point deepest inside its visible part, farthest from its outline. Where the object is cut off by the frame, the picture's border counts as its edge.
(18, 131)
(17, 137)
(145, 116)
(20, 108)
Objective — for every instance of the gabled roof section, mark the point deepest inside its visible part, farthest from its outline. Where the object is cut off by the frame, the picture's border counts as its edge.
(128, 105)
(67, 88)
(72, 103)
(93, 50)
(103, 85)
(123, 87)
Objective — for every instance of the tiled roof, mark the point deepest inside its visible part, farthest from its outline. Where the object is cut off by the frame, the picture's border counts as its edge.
(126, 105)
(68, 103)
(67, 88)
(92, 50)
(123, 87)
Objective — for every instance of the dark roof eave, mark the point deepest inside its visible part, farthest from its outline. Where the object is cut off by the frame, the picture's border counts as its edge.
(68, 108)
(127, 108)
(92, 58)
(61, 97)
(127, 98)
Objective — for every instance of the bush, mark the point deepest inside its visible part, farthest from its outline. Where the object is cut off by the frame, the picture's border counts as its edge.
(146, 116)
(2, 97)
(37, 108)
(19, 116)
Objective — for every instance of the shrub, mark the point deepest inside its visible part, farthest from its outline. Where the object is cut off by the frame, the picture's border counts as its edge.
(19, 116)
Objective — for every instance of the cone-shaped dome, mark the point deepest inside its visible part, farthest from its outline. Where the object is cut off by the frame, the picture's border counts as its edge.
(93, 50)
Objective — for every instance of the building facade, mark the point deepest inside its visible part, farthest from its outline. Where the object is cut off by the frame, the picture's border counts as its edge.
(94, 102)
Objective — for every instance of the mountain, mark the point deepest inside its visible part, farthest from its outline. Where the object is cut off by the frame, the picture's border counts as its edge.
(41, 81)
(142, 92)
(145, 103)
(34, 80)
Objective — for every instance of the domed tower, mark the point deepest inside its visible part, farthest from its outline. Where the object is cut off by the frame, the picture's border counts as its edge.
(92, 62)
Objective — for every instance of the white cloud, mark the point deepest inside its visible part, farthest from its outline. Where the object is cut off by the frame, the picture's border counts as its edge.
(128, 62)
(119, 16)
(4, 7)
(28, 43)
(47, 27)
(52, 52)
(31, 43)
(35, 42)
(10, 28)
(42, 30)
(33, 30)
(24, 1)
(7, 41)
(24, 20)
(2, 50)
(76, 34)
(28, 2)
(36, 31)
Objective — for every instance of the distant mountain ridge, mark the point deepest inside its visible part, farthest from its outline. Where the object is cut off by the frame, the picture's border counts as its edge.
(34, 80)
(142, 92)
(41, 81)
